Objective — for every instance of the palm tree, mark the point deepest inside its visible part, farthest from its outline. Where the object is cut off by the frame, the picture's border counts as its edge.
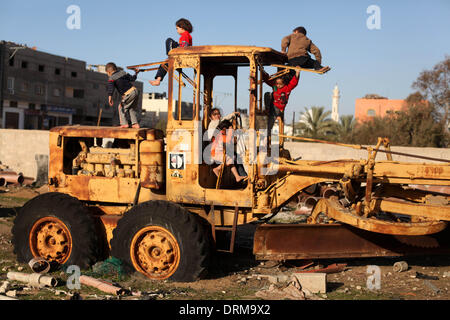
(344, 129)
(315, 123)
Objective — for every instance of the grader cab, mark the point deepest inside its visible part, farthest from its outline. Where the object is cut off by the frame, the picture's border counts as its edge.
(152, 200)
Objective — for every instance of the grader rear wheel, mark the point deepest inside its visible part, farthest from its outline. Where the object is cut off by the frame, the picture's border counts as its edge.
(155, 251)
(162, 240)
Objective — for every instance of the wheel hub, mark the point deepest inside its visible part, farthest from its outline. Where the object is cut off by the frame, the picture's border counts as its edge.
(50, 239)
(155, 252)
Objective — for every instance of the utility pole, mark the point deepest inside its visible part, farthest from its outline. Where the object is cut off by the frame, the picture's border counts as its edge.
(293, 124)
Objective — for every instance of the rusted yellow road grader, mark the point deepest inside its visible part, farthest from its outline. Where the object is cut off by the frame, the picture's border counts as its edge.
(151, 199)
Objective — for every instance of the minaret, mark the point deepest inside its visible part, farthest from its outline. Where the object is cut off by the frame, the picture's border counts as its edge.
(335, 104)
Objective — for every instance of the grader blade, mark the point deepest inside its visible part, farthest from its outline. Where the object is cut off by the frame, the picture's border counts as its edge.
(323, 241)
(333, 210)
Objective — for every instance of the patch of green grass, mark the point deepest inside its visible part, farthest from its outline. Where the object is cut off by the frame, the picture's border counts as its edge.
(9, 201)
(361, 295)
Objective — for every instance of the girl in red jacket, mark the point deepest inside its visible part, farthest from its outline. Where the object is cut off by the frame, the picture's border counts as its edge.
(184, 29)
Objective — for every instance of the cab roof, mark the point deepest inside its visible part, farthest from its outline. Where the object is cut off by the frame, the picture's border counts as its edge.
(225, 52)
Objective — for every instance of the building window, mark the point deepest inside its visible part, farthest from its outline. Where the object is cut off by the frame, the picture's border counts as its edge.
(78, 93)
(32, 106)
(74, 74)
(371, 113)
(11, 62)
(95, 85)
(13, 104)
(56, 92)
(57, 71)
(24, 87)
(39, 89)
(24, 64)
(41, 68)
(10, 85)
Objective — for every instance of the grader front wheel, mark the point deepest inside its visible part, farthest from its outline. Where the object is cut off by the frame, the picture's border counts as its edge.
(50, 238)
(58, 228)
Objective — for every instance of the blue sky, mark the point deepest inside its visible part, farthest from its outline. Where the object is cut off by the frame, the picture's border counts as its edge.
(414, 36)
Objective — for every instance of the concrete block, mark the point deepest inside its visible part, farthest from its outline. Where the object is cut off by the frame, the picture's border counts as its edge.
(314, 282)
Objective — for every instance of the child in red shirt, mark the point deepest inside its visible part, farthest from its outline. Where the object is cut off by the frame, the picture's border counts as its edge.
(184, 29)
(278, 100)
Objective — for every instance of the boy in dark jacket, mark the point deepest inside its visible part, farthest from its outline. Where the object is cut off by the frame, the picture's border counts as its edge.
(298, 45)
(122, 81)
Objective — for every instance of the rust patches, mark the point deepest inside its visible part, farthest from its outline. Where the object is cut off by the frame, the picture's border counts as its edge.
(433, 171)
(110, 223)
(305, 241)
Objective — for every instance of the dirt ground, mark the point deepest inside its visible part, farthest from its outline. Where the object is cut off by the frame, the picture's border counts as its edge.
(235, 276)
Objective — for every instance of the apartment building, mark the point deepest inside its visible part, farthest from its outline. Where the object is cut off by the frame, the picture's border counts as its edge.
(39, 90)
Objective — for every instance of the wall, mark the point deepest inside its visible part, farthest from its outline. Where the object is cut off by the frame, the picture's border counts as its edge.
(25, 151)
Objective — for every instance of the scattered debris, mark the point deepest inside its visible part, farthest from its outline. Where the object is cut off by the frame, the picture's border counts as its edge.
(425, 276)
(11, 293)
(408, 294)
(304, 264)
(332, 268)
(39, 265)
(102, 285)
(432, 286)
(2, 297)
(293, 291)
(33, 279)
(314, 282)
(4, 287)
(400, 266)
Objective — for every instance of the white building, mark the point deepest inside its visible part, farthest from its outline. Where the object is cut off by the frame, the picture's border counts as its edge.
(155, 102)
(154, 108)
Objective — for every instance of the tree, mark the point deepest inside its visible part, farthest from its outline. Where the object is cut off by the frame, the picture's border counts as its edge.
(417, 125)
(344, 130)
(434, 85)
(315, 123)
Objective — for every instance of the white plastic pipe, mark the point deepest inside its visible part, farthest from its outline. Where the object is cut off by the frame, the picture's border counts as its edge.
(33, 279)
(39, 265)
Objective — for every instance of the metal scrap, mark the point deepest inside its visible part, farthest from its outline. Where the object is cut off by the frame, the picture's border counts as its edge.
(332, 268)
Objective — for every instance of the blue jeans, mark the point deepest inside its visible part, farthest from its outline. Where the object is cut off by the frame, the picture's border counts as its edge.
(170, 44)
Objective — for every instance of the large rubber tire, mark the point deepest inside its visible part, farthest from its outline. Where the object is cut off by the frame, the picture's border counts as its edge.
(163, 240)
(59, 225)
